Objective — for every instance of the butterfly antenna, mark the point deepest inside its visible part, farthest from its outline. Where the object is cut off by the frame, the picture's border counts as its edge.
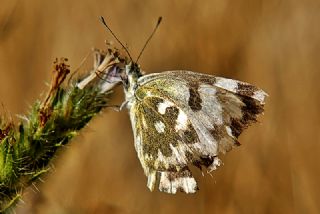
(124, 47)
(145, 44)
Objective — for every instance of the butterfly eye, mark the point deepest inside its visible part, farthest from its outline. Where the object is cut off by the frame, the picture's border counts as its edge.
(135, 70)
(124, 78)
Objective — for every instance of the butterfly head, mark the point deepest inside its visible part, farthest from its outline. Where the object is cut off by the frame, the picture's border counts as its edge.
(132, 74)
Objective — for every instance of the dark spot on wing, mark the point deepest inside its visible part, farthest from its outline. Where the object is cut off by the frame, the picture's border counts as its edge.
(252, 108)
(210, 80)
(163, 167)
(246, 89)
(183, 173)
(194, 97)
(196, 160)
(172, 168)
(171, 115)
(197, 163)
(250, 111)
(173, 176)
(206, 160)
(189, 156)
(189, 135)
(218, 132)
(236, 127)
(180, 189)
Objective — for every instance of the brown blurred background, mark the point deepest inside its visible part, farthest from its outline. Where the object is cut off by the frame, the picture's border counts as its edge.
(273, 44)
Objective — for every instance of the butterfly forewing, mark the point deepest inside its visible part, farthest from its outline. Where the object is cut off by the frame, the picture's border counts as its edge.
(181, 118)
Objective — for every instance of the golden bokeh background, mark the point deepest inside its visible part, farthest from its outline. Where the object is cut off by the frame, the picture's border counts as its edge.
(273, 44)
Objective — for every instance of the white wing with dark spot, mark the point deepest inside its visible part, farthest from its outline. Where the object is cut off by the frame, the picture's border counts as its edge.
(182, 118)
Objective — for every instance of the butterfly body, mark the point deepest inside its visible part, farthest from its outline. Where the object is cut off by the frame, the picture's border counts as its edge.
(183, 118)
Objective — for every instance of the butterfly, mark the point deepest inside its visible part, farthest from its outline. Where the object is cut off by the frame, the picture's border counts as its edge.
(183, 118)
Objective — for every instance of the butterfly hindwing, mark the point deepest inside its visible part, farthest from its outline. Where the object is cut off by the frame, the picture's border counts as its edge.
(181, 118)
(162, 143)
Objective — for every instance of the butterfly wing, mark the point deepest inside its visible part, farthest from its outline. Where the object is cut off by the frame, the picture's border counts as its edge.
(161, 146)
(181, 118)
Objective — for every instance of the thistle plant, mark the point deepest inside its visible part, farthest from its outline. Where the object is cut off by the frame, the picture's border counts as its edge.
(27, 147)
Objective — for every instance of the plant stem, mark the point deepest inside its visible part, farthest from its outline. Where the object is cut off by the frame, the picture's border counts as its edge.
(27, 148)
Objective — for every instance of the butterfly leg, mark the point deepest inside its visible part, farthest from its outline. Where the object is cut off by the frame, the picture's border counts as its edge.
(118, 108)
(114, 107)
(123, 105)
